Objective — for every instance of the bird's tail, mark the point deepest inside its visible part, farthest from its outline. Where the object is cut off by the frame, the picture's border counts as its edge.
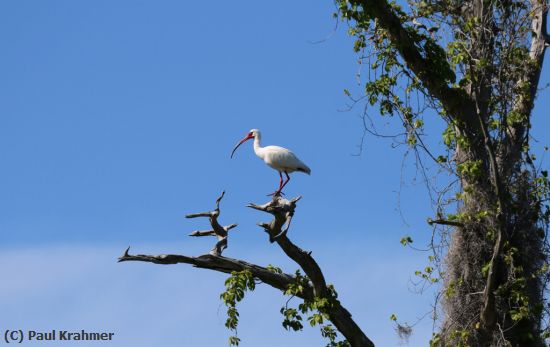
(305, 169)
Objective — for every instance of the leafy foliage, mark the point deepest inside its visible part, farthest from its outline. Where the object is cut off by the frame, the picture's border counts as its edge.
(235, 287)
(317, 309)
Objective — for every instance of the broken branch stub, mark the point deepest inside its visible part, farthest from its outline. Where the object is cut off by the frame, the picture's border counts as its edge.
(221, 232)
(283, 211)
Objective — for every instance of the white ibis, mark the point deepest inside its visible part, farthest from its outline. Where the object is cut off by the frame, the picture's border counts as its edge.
(278, 158)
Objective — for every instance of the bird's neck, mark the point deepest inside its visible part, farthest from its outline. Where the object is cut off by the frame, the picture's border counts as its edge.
(257, 147)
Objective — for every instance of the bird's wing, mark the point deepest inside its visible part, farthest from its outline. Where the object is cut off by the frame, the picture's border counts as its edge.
(276, 149)
(284, 159)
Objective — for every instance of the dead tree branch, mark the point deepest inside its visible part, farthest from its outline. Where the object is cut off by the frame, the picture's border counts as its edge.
(283, 211)
(445, 222)
(217, 230)
(221, 264)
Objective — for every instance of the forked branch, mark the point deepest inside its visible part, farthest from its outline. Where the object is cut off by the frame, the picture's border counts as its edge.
(217, 230)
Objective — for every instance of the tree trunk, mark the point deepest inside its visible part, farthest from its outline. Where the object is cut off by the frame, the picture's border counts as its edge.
(511, 312)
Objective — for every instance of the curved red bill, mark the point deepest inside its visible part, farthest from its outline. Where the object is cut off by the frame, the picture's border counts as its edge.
(247, 137)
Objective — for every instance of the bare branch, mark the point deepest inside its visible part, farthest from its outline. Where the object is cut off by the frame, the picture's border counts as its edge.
(210, 232)
(218, 200)
(283, 210)
(278, 207)
(203, 233)
(445, 222)
(200, 214)
(217, 230)
(221, 264)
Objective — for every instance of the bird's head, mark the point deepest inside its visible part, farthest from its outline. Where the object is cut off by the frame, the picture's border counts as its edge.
(254, 133)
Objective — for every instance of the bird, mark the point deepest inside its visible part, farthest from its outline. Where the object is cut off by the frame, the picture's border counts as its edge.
(278, 158)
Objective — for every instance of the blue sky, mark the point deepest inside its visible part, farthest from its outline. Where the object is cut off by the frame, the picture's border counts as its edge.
(118, 118)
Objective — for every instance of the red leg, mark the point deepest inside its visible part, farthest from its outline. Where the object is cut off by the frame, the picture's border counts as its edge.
(281, 185)
(287, 180)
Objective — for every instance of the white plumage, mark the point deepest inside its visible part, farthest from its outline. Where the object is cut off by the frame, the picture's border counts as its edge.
(278, 158)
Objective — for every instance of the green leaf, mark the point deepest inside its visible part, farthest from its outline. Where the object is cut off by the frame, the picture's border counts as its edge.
(406, 240)
(234, 341)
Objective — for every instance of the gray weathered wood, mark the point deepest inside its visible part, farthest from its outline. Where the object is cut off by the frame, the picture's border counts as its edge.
(222, 232)
(221, 264)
